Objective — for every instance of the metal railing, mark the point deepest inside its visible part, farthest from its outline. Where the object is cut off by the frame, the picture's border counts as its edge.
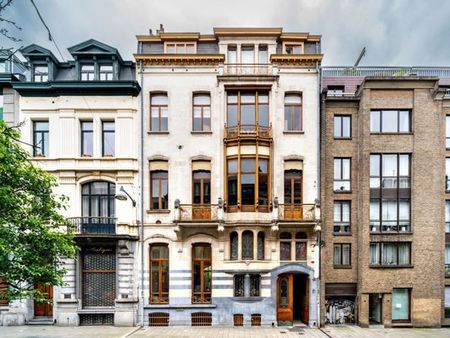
(385, 71)
(298, 212)
(93, 225)
(248, 130)
(248, 69)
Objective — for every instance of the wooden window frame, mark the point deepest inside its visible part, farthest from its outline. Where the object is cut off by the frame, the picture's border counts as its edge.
(160, 262)
(341, 255)
(292, 107)
(256, 104)
(342, 117)
(160, 181)
(300, 240)
(341, 179)
(292, 180)
(159, 107)
(103, 138)
(201, 107)
(202, 181)
(82, 135)
(203, 262)
(183, 44)
(41, 133)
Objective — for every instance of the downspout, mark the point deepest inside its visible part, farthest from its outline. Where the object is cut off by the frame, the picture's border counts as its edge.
(141, 177)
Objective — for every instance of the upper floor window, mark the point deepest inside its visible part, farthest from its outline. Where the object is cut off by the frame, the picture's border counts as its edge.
(293, 112)
(447, 216)
(342, 126)
(335, 90)
(447, 174)
(106, 72)
(390, 192)
(342, 174)
(108, 136)
(390, 121)
(247, 109)
(159, 190)
(201, 273)
(159, 273)
(87, 72)
(447, 259)
(263, 56)
(247, 245)
(232, 54)
(40, 73)
(201, 183)
(87, 138)
(248, 55)
(341, 219)
(447, 131)
(159, 112)
(260, 246)
(201, 112)
(97, 200)
(342, 254)
(293, 48)
(40, 138)
(234, 246)
(293, 187)
(390, 253)
(180, 48)
(300, 246)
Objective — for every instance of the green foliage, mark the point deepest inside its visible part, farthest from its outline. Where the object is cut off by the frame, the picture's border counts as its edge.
(33, 234)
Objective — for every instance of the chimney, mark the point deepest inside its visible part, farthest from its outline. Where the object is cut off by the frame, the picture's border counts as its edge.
(161, 28)
(150, 31)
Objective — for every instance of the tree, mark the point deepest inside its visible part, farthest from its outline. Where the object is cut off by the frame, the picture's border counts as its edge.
(34, 236)
(6, 23)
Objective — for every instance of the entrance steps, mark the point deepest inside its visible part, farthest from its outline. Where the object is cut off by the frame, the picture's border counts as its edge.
(41, 321)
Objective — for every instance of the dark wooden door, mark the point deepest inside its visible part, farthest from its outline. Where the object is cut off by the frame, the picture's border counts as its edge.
(44, 309)
(285, 310)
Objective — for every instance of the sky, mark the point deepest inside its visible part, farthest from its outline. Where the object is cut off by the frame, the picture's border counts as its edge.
(394, 32)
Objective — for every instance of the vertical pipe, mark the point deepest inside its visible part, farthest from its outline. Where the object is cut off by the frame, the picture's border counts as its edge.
(319, 148)
(141, 177)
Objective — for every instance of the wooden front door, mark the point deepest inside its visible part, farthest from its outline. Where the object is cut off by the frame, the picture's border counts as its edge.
(44, 309)
(285, 310)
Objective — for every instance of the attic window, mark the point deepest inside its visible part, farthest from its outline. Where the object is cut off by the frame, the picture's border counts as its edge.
(180, 48)
(335, 90)
(293, 48)
(41, 73)
(106, 72)
(87, 72)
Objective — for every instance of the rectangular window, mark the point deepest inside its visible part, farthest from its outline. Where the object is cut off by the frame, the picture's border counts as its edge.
(390, 193)
(239, 285)
(400, 304)
(201, 273)
(159, 274)
(341, 224)
(447, 216)
(390, 121)
(247, 112)
(201, 187)
(447, 302)
(40, 138)
(40, 73)
(106, 72)
(87, 72)
(447, 174)
(201, 112)
(447, 259)
(180, 48)
(293, 187)
(447, 131)
(342, 174)
(87, 138)
(248, 181)
(342, 126)
(263, 179)
(342, 255)
(159, 190)
(159, 112)
(108, 136)
(262, 54)
(293, 112)
(1, 105)
(293, 49)
(255, 285)
(232, 54)
(335, 90)
(390, 254)
(248, 55)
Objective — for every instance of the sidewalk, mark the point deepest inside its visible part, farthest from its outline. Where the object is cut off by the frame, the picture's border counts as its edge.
(44, 331)
(357, 332)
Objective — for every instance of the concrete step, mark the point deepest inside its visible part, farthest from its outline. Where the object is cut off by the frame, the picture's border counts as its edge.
(41, 321)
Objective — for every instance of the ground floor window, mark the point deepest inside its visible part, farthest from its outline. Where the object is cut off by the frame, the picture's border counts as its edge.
(247, 285)
(400, 304)
(447, 302)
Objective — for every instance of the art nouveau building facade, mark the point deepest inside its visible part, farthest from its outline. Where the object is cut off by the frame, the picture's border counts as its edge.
(231, 176)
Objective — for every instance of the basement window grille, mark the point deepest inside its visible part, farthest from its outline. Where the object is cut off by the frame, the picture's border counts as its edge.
(96, 319)
(158, 319)
(238, 319)
(201, 319)
(256, 319)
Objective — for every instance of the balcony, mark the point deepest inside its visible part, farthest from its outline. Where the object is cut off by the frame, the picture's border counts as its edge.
(294, 212)
(90, 225)
(248, 69)
(386, 71)
(197, 212)
(248, 131)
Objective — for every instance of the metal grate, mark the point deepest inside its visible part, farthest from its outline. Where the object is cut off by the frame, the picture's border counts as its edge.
(256, 319)
(96, 319)
(158, 319)
(201, 319)
(238, 319)
(3, 290)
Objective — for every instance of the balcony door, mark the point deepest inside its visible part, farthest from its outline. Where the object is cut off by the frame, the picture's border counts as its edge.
(201, 183)
(293, 194)
(98, 207)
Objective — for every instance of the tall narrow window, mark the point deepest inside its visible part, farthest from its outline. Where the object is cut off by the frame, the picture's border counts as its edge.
(447, 259)
(342, 255)
(248, 111)
(106, 72)
(40, 73)
(293, 112)
(239, 285)
(285, 246)
(40, 138)
(390, 121)
(248, 181)
(342, 126)
(293, 187)
(400, 304)
(232, 54)
(342, 174)
(263, 188)
(447, 131)
(341, 224)
(201, 273)
(159, 190)
(201, 187)
(234, 246)
(159, 273)
(262, 54)
(255, 285)
(301, 246)
(159, 112)
(87, 72)
(202, 112)
(260, 246)
(108, 138)
(247, 245)
(1, 105)
(390, 192)
(447, 216)
(447, 174)
(87, 139)
(248, 55)
(232, 186)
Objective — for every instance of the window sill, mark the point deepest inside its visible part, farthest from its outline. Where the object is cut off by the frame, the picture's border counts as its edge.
(180, 306)
(342, 233)
(157, 132)
(342, 191)
(294, 132)
(248, 299)
(342, 138)
(342, 266)
(391, 232)
(158, 211)
(391, 266)
(201, 132)
(392, 133)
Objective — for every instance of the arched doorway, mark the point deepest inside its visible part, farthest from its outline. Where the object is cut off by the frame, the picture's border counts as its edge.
(293, 298)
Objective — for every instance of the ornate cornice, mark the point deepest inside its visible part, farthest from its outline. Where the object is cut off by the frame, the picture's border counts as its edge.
(296, 59)
(180, 59)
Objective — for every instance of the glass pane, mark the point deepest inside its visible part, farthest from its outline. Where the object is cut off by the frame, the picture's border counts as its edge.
(284, 293)
(300, 250)
(234, 246)
(404, 253)
(232, 54)
(170, 49)
(374, 254)
(287, 190)
(159, 99)
(263, 115)
(404, 124)
(248, 165)
(260, 246)
(247, 54)
(297, 118)
(197, 192)
(389, 254)
(389, 121)
(389, 165)
(404, 165)
(375, 121)
(346, 126)
(232, 166)
(202, 99)
(232, 119)
(346, 168)
(374, 165)
(337, 168)
(288, 118)
(262, 54)
(108, 144)
(400, 304)
(190, 49)
(285, 251)
(239, 286)
(293, 99)
(345, 254)
(337, 126)
(247, 245)
(248, 115)
(87, 145)
(337, 255)
(346, 212)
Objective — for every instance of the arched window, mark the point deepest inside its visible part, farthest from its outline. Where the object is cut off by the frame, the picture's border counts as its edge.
(300, 246)
(97, 207)
(260, 245)
(201, 273)
(247, 244)
(159, 273)
(285, 246)
(234, 245)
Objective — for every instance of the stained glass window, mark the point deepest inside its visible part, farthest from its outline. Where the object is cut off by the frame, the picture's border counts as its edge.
(234, 245)
(260, 245)
(285, 246)
(255, 283)
(239, 286)
(247, 245)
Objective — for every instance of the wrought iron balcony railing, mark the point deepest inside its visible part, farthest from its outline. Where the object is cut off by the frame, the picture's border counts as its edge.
(248, 130)
(240, 69)
(93, 225)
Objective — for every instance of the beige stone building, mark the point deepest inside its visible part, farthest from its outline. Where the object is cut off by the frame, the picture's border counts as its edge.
(383, 197)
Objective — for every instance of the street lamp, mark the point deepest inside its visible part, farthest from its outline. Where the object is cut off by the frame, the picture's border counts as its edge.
(122, 195)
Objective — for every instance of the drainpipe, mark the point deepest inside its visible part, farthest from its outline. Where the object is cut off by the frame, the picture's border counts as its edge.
(141, 177)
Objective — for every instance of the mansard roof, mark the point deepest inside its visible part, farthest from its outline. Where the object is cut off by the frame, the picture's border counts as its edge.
(35, 52)
(93, 47)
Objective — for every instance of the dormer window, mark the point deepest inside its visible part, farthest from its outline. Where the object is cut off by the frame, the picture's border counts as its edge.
(41, 73)
(293, 48)
(87, 72)
(106, 72)
(180, 48)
